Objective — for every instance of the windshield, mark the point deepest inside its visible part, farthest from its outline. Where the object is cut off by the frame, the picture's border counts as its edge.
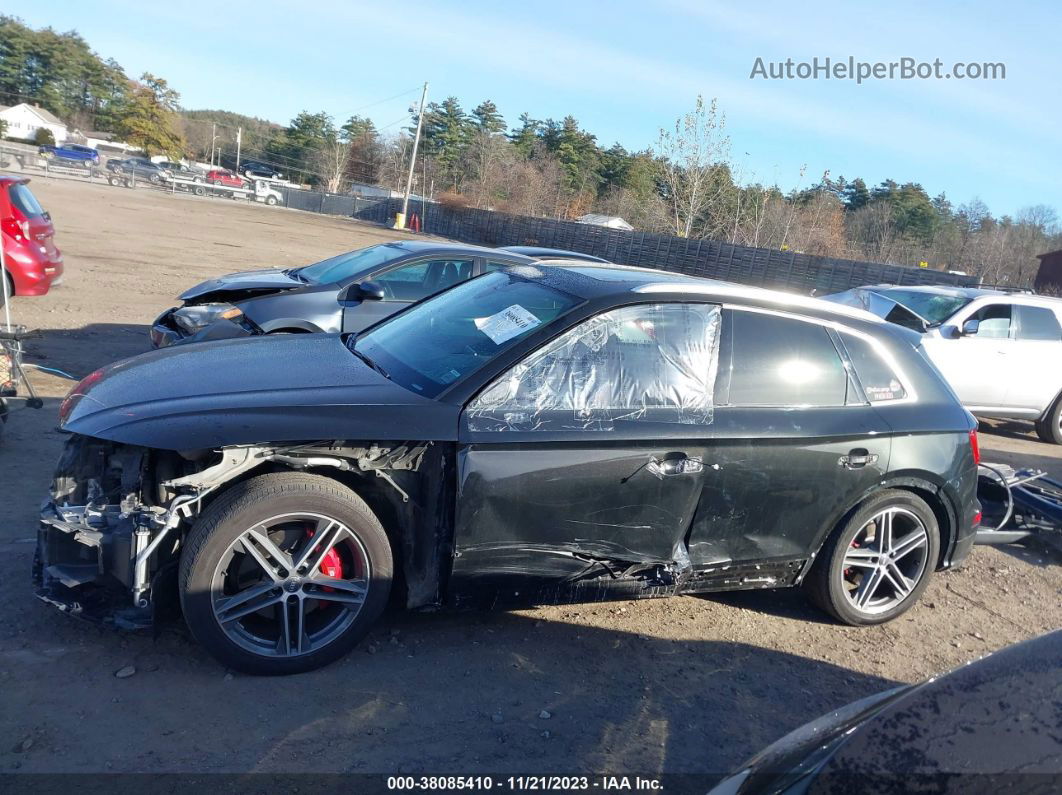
(342, 266)
(933, 307)
(440, 340)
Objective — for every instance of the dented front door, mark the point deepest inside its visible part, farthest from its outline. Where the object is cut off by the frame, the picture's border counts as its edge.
(537, 519)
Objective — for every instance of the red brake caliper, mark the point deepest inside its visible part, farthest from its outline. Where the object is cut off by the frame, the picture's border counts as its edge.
(331, 564)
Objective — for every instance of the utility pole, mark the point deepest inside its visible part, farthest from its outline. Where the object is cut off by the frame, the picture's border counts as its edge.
(239, 135)
(213, 137)
(413, 157)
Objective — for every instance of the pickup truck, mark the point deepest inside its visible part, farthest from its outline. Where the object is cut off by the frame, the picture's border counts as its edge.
(85, 155)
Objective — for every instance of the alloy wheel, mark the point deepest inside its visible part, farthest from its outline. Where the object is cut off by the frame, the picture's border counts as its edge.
(290, 585)
(885, 561)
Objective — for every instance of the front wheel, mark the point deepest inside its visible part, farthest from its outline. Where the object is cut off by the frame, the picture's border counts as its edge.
(284, 573)
(876, 564)
(1050, 427)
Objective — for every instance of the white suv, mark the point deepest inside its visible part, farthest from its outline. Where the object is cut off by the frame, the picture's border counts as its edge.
(1001, 351)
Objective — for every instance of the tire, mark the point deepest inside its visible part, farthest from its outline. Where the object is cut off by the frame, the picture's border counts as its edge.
(114, 181)
(1049, 429)
(271, 201)
(214, 545)
(836, 583)
(199, 190)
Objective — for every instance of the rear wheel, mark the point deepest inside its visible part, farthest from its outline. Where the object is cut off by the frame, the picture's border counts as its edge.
(1050, 427)
(876, 564)
(284, 573)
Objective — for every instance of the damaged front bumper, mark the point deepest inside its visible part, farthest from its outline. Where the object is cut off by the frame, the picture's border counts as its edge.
(166, 331)
(86, 564)
(109, 540)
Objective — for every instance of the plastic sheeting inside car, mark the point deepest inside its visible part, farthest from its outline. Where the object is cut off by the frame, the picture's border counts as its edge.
(648, 363)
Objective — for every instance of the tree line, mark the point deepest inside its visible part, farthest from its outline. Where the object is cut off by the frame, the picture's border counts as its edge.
(686, 184)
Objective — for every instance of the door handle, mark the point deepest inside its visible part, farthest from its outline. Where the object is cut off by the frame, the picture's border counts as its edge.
(670, 467)
(857, 459)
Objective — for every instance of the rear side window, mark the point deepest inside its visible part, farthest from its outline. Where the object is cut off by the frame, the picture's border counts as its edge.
(879, 381)
(780, 361)
(1037, 323)
(22, 197)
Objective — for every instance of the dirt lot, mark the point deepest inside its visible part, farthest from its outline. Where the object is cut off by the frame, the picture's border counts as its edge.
(687, 685)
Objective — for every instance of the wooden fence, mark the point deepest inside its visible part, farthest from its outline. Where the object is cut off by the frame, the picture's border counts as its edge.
(763, 267)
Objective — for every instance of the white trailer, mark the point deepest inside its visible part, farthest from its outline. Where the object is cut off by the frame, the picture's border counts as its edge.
(260, 191)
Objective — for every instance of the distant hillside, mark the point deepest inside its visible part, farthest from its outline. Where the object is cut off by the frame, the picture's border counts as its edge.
(257, 133)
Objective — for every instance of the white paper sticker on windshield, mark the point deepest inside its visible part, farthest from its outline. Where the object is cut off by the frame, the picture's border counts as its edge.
(507, 324)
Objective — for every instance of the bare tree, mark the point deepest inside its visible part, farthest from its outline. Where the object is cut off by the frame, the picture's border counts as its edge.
(331, 161)
(688, 155)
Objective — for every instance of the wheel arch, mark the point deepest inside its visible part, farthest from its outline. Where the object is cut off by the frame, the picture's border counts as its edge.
(936, 498)
(290, 325)
(921, 487)
(414, 506)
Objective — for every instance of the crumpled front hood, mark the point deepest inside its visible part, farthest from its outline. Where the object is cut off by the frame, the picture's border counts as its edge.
(257, 281)
(251, 390)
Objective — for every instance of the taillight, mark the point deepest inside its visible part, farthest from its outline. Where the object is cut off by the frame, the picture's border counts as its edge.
(975, 448)
(17, 229)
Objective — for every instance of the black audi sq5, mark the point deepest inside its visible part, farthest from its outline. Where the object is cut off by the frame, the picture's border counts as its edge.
(537, 434)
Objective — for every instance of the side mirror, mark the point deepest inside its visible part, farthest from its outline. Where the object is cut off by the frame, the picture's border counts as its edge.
(970, 327)
(361, 291)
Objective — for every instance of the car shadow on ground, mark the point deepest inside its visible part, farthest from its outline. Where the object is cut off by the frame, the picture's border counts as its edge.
(780, 602)
(527, 696)
(78, 352)
(1011, 429)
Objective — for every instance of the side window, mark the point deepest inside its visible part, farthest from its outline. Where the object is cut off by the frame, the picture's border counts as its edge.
(1037, 323)
(994, 321)
(418, 280)
(780, 361)
(490, 267)
(879, 381)
(648, 363)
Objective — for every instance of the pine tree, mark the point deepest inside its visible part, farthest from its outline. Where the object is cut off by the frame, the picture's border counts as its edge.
(488, 118)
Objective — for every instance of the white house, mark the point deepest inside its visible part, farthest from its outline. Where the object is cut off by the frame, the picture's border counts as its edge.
(611, 221)
(23, 121)
(106, 143)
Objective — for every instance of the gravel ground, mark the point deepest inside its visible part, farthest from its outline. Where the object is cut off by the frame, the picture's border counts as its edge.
(686, 685)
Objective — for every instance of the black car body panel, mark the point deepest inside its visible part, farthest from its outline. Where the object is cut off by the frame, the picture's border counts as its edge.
(995, 722)
(151, 400)
(503, 509)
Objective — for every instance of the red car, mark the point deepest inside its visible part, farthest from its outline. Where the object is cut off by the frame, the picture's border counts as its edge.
(221, 176)
(31, 259)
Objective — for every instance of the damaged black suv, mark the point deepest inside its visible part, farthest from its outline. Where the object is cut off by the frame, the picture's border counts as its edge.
(534, 435)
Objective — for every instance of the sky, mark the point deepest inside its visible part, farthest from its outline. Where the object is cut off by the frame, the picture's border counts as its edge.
(626, 69)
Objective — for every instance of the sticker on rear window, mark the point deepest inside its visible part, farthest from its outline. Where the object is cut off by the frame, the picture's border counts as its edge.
(507, 324)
